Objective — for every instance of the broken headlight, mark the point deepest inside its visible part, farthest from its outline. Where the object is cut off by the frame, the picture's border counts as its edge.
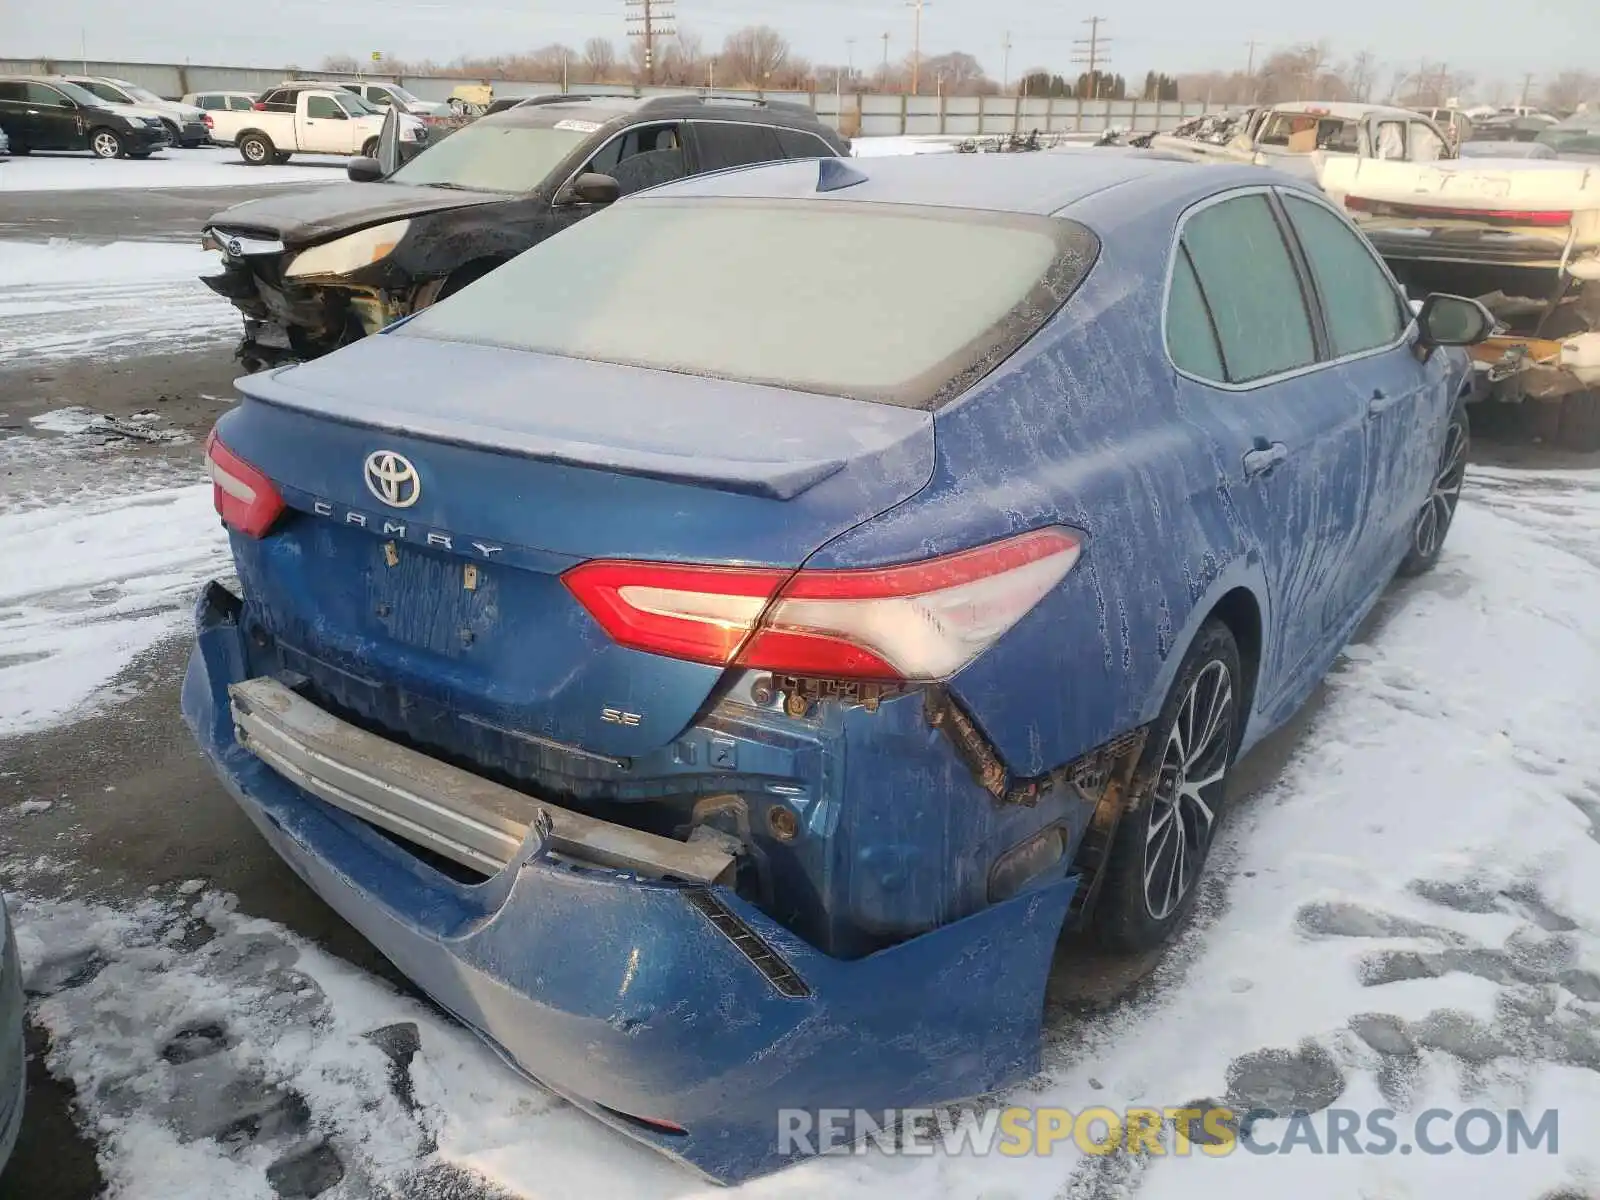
(345, 255)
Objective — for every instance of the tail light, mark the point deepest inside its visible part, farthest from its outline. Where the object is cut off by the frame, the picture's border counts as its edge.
(206, 119)
(258, 106)
(916, 621)
(1539, 218)
(246, 500)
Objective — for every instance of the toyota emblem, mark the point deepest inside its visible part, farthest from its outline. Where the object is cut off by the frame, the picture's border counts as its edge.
(392, 479)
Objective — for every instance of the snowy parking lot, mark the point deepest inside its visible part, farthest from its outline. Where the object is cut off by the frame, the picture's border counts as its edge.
(1404, 913)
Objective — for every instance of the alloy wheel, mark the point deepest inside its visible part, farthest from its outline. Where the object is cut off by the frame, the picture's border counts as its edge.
(1433, 522)
(255, 151)
(1188, 787)
(106, 145)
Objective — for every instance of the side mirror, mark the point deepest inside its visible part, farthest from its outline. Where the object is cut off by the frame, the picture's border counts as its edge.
(590, 188)
(364, 170)
(1453, 321)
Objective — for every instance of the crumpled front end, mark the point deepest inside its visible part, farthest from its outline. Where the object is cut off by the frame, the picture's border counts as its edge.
(288, 320)
(678, 1010)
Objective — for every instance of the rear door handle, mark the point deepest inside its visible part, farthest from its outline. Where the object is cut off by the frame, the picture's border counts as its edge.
(1264, 458)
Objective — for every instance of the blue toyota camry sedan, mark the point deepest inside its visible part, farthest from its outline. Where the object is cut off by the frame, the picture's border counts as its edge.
(717, 653)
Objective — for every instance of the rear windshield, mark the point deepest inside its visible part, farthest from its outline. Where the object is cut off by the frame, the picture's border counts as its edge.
(897, 304)
(1303, 133)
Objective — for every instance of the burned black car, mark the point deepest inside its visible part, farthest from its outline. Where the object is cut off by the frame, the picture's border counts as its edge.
(313, 271)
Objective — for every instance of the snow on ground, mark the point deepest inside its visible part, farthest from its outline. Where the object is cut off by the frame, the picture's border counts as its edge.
(90, 585)
(1412, 921)
(208, 167)
(63, 299)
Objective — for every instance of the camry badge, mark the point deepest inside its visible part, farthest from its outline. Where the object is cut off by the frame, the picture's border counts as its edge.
(392, 479)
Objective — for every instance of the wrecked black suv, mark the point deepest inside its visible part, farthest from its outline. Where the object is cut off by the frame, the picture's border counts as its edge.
(313, 271)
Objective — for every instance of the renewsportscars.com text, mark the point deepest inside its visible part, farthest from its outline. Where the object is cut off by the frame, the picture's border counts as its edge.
(1214, 1132)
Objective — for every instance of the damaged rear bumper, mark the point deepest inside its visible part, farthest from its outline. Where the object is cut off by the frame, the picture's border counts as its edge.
(668, 1007)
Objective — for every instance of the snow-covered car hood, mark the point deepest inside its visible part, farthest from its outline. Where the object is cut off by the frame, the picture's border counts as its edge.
(326, 212)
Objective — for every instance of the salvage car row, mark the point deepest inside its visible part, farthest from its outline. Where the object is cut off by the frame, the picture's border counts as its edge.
(723, 706)
(113, 118)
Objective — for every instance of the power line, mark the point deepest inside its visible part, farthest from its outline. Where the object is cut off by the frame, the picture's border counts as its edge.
(653, 20)
(1090, 50)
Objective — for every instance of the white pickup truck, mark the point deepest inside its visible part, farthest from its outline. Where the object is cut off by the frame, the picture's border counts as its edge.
(301, 119)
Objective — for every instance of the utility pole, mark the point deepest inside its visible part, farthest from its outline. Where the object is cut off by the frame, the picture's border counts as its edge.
(916, 45)
(1090, 51)
(850, 57)
(1005, 69)
(1527, 82)
(886, 60)
(1250, 60)
(653, 20)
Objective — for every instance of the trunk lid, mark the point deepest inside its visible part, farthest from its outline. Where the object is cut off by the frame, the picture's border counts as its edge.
(525, 465)
(327, 211)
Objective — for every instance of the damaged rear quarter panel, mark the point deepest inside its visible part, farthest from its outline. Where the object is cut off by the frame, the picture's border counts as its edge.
(1083, 428)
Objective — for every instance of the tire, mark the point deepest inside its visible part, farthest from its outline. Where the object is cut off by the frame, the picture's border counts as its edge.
(140, 154)
(1159, 852)
(255, 149)
(106, 143)
(280, 157)
(173, 131)
(369, 148)
(1432, 523)
(20, 151)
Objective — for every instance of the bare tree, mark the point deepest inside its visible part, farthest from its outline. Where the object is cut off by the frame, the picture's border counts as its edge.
(1570, 89)
(346, 65)
(599, 59)
(1219, 87)
(960, 74)
(1301, 73)
(1360, 75)
(1432, 85)
(754, 55)
(682, 61)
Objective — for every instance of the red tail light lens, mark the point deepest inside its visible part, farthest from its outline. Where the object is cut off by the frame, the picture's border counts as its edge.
(918, 621)
(206, 117)
(1540, 218)
(259, 107)
(246, 500)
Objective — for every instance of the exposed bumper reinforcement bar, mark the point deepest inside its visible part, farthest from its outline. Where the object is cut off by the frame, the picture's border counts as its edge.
(454, 813)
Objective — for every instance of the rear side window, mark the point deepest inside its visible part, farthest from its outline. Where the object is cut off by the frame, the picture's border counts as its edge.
(797, 143)
(1251, 288)
(1191, 338)
(857, 303)
(281, 101)
(11, 91)
(1358, 301)
(723, 146)
(240, 103)
(45, 96)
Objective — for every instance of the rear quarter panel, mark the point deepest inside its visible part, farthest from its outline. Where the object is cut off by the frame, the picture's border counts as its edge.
(1083, 427)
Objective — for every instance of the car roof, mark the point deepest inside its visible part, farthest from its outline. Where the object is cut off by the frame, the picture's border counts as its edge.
(1040, 183)
(602, 109)
(1345, 110)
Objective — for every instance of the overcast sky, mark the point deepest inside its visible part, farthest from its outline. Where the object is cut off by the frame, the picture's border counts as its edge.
(1493, 40)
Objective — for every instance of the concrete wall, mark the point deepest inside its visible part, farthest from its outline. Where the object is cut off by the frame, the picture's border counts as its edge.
(871, 115)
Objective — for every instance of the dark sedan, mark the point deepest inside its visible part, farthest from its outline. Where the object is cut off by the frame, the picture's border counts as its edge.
(47, 113)
(313, 271)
